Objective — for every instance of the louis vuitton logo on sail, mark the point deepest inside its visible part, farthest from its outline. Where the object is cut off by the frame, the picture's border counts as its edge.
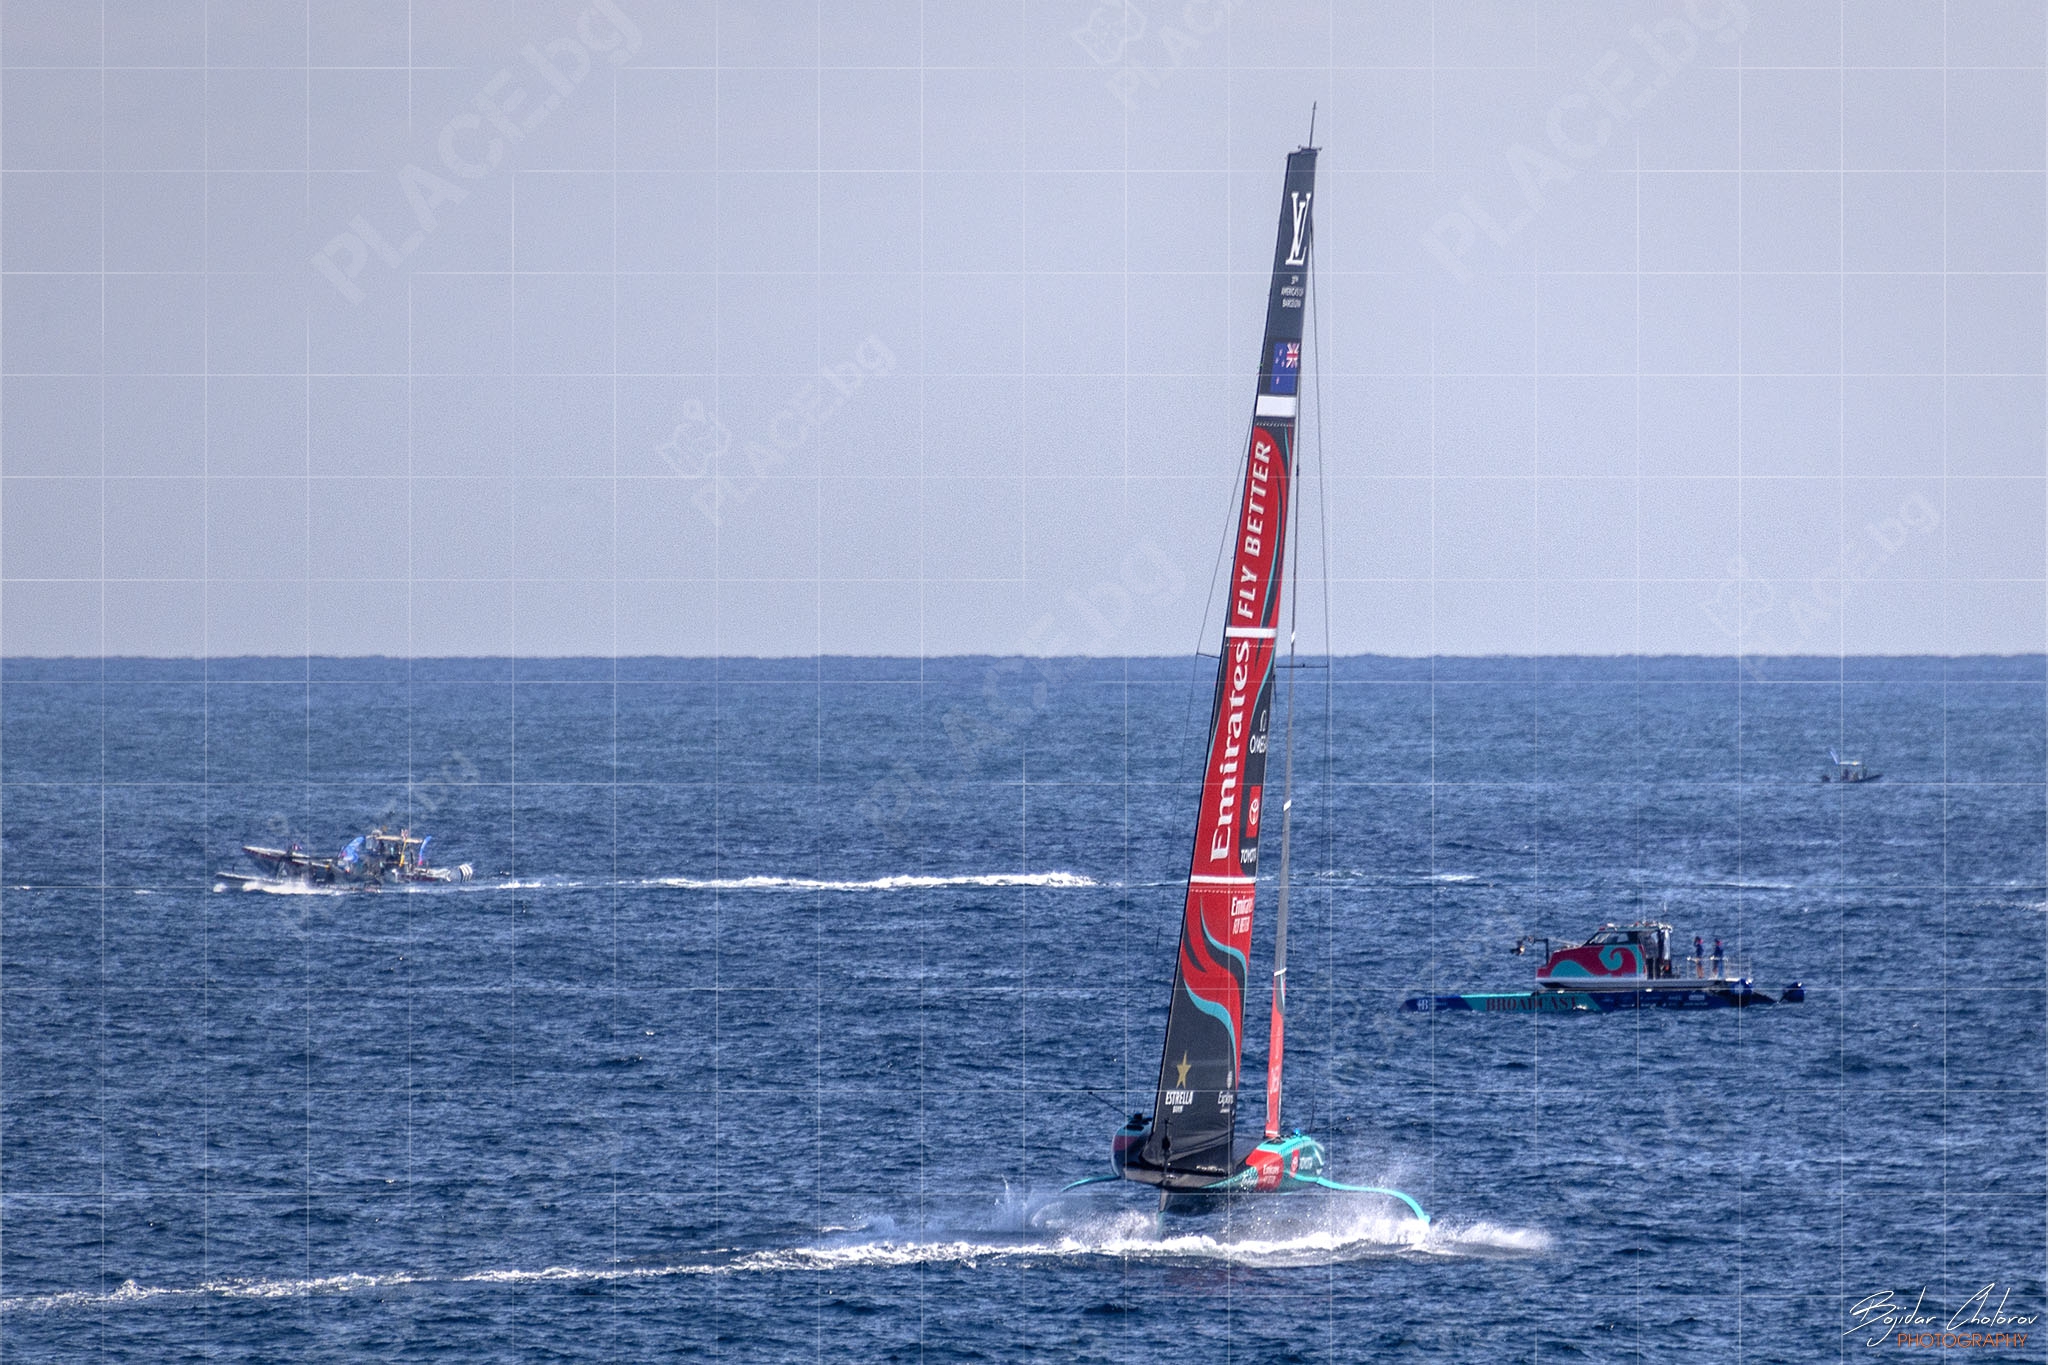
(1297, 251)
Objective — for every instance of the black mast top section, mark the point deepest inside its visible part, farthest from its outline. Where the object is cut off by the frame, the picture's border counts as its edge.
(1286, 303)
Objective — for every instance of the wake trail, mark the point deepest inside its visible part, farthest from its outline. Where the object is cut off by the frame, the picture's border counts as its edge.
(132, 1294)
(1057, 881)
(1038, 1229)
(899, 882)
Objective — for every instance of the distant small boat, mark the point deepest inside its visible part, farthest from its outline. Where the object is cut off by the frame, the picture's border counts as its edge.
(1621, 967)
(1848, 770)
(370, 860)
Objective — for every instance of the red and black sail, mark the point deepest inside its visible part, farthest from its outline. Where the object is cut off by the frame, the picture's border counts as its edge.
(1193, 1132)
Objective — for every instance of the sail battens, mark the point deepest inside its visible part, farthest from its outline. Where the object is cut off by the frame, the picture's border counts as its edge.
(1193, 1134)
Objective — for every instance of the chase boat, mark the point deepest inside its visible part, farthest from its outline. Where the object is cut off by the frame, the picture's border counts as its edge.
(370, 861)
(1621, 967)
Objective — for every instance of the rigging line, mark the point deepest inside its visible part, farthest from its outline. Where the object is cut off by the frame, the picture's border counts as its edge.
(1223, 550)
(1293, 534)
(1274, 1094)
(1315, 330)
(1102, 1093)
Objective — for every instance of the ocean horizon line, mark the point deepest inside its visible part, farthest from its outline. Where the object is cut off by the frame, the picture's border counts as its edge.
(984, 654)
(1009, 673)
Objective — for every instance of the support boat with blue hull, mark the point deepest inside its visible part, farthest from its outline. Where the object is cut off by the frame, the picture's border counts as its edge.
(1621, 967)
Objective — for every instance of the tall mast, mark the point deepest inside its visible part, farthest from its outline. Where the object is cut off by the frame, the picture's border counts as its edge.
(1192, 1138)
(1277, 1035)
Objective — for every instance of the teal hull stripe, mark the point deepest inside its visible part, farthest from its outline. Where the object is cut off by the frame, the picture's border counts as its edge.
(1366, 1189)
(1246, 1181)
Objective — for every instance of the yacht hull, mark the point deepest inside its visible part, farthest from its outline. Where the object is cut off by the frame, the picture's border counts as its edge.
(1705, 996)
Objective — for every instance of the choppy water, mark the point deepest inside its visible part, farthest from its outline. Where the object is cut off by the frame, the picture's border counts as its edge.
(790, 993)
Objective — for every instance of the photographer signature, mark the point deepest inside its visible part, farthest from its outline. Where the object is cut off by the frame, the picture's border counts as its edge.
(1880, 1315)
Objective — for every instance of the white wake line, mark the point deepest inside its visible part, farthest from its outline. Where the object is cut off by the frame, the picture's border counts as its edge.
(761, 882)
(133, 1293)
(904, 882)
(1392, 1235)
(1378, 1236)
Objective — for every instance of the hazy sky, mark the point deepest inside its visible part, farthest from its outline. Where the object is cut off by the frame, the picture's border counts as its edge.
(869, 328)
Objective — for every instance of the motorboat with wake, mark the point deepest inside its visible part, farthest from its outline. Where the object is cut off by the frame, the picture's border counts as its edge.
(1621, 967)
(1187, 1147)
(369, 861)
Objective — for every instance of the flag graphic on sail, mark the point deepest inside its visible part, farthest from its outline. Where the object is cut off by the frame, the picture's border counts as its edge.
(1194, 1126)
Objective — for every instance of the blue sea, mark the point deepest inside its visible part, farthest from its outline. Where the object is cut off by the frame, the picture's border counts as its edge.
(788, 994)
